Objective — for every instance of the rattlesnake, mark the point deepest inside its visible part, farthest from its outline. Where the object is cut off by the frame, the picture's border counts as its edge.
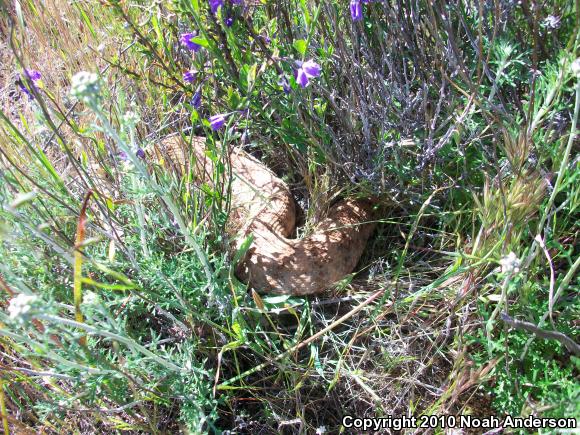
(262, 206)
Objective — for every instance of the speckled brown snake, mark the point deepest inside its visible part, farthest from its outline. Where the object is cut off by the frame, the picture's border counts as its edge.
(262, 206)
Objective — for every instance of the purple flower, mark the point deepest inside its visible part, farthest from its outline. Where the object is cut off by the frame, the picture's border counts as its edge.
(196, 100)
(214, 5)
(229, 21)
(33, 74)
(356, 10)
(306, 71)
(311, 68)
(187, 40)
(189, 76)
(285, 84)
(140, 153)
(301, 78)
(217, 121)
(25, 90)
(236, 2)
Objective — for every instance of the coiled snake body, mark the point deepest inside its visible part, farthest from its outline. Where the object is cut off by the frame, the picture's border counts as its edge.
(262, 206)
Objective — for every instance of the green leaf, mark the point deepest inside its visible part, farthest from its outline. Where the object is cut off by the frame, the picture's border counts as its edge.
(195, 5)
(86, 19)
(243, 249)
(315, 358)
(304, 7)
(233, 96)
(19, 14)
(301, 46)
(276, 300)
(252, 76)
(200, 40)
(232, 345)
(237, 328)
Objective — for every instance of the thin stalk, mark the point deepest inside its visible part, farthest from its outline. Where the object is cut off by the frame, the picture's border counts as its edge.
(188, 237)
(501, 302)
(566, 157)
(3, 411)
(139, 207)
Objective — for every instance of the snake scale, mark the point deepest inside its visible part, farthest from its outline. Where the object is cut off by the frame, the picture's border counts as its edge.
(262, 206)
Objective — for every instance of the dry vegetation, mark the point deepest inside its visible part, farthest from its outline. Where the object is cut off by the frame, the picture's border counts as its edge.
(121, 310)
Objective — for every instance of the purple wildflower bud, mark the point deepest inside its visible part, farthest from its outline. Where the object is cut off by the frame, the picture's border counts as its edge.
(217, 121)
(196, 100)
(214, 5)
(285, 84)
(229, 21)
(123, 156)
(187, 40)
(140, 153)
(189, 76)
(26, 91)
(356, 10)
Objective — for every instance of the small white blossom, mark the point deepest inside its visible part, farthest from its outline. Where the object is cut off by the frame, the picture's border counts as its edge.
(91, 298)
(21, 305)
(85, 85)
(552, 22)
(130, 119)
(321, 430)
(510, 263)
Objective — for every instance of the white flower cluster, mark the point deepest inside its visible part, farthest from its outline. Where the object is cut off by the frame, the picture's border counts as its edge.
(510, 264)
(131, 119)
(552, 21)
(20, 306)
(91, 298)
(85, 86)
